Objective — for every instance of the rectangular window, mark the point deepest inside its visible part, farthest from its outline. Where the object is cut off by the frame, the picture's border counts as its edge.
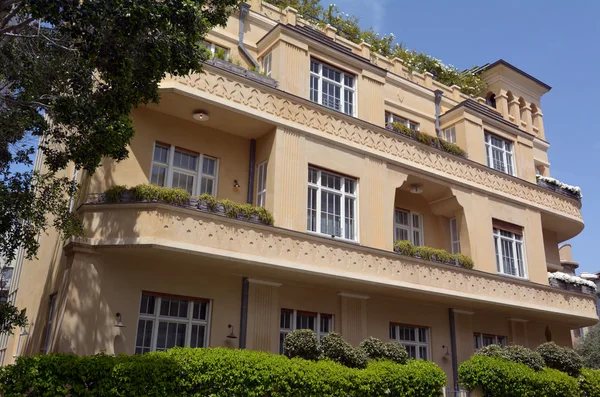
(392, 118)
(331, 208)
(165, 322)
(449, 134)
(408, 226)
(483, 340)
(332, 88)
(414, 339)
(454, 236)
(176, 167)
(49, 324)
(261, 184)
(508, 244)
(216, 50)
(291, 320)
(266, 64)
(499, 153)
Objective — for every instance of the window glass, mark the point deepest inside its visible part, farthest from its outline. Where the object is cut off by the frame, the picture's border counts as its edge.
(414, 339)
(408, 226)
(509, 253)
(499, 153)
(291, 320)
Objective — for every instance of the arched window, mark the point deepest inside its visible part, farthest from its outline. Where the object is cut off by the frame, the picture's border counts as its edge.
(490, 99)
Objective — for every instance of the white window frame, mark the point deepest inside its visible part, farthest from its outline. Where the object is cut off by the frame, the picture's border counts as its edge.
(267, 64)
(449, 134)
(508, 156)
(198, 174)
(341, 84)
(73, 179)
(261, 184)
(410, 228)
(514, 240)
(418, 343)
(454, 236)
(342, 192)
(393, 118)
(478, 340)
(189, 321)
(284, 331)
(212, 47)
(50, 323)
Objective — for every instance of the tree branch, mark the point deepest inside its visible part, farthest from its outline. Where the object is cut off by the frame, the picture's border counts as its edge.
(17, 27)
(10, 15)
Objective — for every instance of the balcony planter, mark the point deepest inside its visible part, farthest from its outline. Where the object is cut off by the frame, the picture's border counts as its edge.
(241, 71)
(403, 247)
(573, 287)
(588, 290)
(558, 187)
(555, 283)
(427, 139)
(243, 212)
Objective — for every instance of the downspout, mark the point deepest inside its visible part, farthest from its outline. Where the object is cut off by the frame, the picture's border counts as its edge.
(453, 348)
(438, 100)
(244, 313)
(251, 167)
(244, 10)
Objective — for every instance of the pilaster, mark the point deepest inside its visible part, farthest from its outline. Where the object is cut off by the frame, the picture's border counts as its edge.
(353, 325)
(263, 324)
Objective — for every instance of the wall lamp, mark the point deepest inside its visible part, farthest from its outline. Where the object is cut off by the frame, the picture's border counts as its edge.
(231, 334)
(119, 323)
(236, 185)
(447, 354)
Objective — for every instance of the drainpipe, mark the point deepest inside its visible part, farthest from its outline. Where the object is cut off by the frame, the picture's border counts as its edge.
(244, 10)
(244, 313)
(251, 168)
(453, 348)
(438, 101)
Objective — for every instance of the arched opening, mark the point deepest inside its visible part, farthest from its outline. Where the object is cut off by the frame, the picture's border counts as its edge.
(510, 100)
(490, 99)
(535, 119)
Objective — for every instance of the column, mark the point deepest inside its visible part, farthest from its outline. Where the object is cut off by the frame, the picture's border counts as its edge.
(463, 323)
(515, 112)
(526, 116)
(353, 324)
(263, 317)
(502, 104)
(538, 122)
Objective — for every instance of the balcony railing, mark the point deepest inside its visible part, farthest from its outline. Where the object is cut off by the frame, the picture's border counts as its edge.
(241, 71)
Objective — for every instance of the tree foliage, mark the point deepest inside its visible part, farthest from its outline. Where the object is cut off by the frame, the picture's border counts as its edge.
(348, 27)
(589, 348)
(70, 74)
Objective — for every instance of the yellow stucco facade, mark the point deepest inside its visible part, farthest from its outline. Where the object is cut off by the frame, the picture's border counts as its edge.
(346, 278)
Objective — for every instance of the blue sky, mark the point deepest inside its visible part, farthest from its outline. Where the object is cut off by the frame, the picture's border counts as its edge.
(557, 42)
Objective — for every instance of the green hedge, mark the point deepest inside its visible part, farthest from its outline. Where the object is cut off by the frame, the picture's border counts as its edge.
(502, 378)
(429, 140)
(589, 383)
(214, 372)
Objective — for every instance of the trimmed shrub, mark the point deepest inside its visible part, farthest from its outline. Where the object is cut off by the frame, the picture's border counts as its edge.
(498, 377)
(396, 352)
(428, 140)
(589, 383)
(334, 347)
(235, 210)
(561, 358)
(215, 372)
(148, 192)
(374, 348)
(514, 353)
(301, 343)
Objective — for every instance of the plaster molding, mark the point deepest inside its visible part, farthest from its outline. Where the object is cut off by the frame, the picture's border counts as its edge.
(355, 296)
(295, 112)
(263, 282)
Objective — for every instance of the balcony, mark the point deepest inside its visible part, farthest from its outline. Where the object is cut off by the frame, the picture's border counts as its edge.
(187, 230)
(267, 104)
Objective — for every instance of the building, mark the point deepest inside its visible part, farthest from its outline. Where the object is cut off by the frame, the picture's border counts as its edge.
(309, 139)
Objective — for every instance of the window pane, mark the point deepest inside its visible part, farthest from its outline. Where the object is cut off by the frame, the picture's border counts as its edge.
(185, 160)
(200, 310)
(402, 217)
(304, 321)
(158, 175)
(161, 154)
(183, 181)
(286, 320)
(144, 336)
(209, 166)
(311, 213)
(423, 353)
(411, 350)
(147, 304)
(330, 214)
(207, 185)
(197, 337)
(401, 234)
(349, 219)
